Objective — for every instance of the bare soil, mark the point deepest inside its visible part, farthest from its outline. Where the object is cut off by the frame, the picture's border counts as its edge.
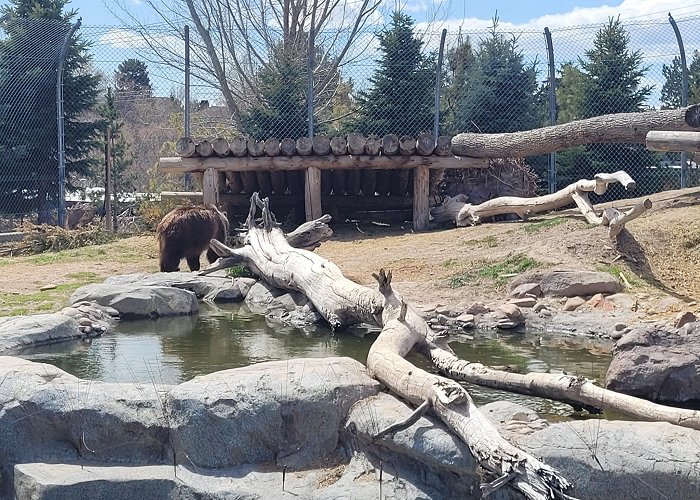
(658, 254)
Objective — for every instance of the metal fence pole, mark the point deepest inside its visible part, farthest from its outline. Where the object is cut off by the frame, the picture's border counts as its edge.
(684, 92)
(436, 124)
(188, 176)
(310, 84)
(552, 107)
(60, 125)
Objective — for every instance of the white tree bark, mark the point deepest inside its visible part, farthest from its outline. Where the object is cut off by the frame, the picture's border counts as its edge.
(342, 302)
(458, 209)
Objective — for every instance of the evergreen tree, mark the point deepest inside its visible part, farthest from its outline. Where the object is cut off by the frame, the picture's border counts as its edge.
(281, 109)
(400, 99)
(460, 60)
(122, 179)
(132, 78)
(499, 92)
(35, 30)
(569, 93)
(673, 86)
(613, 84)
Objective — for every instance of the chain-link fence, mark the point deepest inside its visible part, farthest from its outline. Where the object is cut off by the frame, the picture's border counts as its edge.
(30, 54)
(375, 80)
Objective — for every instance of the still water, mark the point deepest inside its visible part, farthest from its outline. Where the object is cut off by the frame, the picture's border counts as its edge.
(172, 350)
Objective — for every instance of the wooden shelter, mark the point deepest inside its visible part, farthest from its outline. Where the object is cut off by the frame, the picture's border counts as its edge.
(370, 174)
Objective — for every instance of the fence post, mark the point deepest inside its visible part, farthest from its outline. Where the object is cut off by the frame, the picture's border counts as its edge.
(552, 107)
(188, 176)
(60, 126)
(684, 92)
(438, 75)
(310, 84)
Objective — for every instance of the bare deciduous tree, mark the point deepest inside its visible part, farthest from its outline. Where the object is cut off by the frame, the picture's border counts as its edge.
(233, 39)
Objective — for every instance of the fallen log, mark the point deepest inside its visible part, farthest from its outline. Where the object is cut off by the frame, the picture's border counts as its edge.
(457, 209)
(613, 128)
(575, 391)
(342, 302)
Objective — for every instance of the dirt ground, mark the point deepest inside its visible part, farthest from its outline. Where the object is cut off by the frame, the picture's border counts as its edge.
(659, 254)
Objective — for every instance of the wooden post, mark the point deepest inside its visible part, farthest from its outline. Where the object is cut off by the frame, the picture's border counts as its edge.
(421, 208)
(312, 193)
(210, 188)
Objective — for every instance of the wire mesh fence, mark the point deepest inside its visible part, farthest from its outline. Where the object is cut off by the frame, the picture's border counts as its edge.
(377, 80)
(30, 52)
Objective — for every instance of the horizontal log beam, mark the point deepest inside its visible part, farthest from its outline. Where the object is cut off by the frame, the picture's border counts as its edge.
(177, 165)
(614, 128)
(663, 140)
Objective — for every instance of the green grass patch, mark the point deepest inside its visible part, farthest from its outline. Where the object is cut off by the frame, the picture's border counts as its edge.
(488, 242)
(450, 263)
(534, 227)
(19, 304)
(514, 264)
(616, 271)
(239, 272)
(497, 272)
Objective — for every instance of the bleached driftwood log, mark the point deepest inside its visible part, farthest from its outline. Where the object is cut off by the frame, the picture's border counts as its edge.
(342, 302)
(457, 209)
(612, 128)
(576, 391)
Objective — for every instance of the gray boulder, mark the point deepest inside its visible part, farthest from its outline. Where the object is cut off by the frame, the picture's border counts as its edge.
(137, 302)
(426, 451)
(216, 287)
(570, 283)
(21, 332)
(287, 412)
(659, 363)
(356, 479)
(292, 308)
(618, 459)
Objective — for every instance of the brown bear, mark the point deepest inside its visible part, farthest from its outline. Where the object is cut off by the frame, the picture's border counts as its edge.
(186, 232)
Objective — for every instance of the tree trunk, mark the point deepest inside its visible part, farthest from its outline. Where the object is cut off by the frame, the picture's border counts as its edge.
(342, 302)
(613, 128)
(465, 214)
(425, 144)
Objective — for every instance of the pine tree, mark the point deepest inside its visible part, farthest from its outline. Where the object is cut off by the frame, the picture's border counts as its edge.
(400, 99)
(673, 86)
(460, 60)
(499, 93)
(122, 179)
(281, 110)
(132, 78)
(613, 84)
(35, 30)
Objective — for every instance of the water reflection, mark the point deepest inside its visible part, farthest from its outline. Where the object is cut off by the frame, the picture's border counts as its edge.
(172, 350)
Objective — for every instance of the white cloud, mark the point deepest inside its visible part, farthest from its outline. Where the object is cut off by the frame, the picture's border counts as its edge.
(119, 38)
(123, 39)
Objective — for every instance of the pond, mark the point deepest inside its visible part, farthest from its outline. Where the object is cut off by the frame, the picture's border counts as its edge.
(173, 350)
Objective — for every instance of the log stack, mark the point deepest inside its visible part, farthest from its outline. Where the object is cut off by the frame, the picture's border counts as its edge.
(350, 182)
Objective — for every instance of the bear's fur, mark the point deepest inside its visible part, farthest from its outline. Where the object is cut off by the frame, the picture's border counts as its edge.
(186, 232)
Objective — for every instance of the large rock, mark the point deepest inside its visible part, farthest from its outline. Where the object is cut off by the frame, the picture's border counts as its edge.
(658, 362)
(137, 302)
(617, 459)
(47, 415)
(214, 287)
(346, 481)
(426, 450)
(21, 332)
(288, 412)
(292, 308)
(570, 283)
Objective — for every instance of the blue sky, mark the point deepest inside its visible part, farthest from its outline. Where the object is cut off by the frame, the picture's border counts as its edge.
(515, 12)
